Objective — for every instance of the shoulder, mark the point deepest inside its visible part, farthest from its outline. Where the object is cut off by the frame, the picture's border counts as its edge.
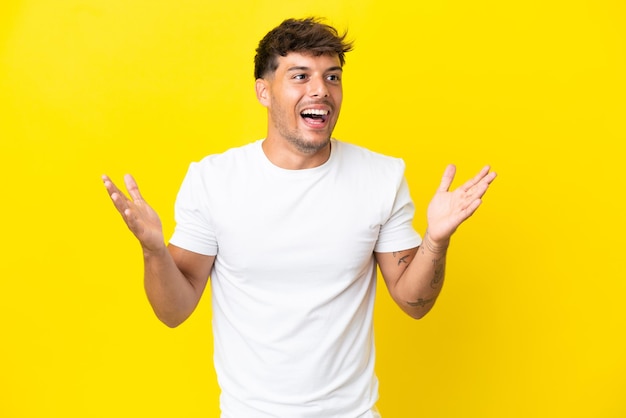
(369, 161)
(226, 163)
(217, 170)
(233, 156)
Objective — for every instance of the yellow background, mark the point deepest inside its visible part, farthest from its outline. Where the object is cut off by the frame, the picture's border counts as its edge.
(531, 322)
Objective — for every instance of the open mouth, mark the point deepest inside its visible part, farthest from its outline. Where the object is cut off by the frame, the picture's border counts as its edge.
(315, 116)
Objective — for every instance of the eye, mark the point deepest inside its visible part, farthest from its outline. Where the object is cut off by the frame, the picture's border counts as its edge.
(299, 77)
(334, 77)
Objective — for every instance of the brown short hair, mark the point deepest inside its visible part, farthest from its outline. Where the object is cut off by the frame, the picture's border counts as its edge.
(307, 35)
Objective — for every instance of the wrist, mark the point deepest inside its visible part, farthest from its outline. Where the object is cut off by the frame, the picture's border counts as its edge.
(435, 246)
(154, 252)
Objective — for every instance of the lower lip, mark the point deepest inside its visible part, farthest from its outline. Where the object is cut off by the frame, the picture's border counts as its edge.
(316, 124)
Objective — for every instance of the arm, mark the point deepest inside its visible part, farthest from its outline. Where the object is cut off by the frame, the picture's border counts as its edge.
(174, 278)
(415, 277)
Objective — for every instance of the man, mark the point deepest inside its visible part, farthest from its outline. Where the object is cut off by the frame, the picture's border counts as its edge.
(291, 228)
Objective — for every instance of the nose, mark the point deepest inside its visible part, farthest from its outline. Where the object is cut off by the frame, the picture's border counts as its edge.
(318, 87)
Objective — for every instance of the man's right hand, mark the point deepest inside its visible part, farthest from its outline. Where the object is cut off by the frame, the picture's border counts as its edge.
(140, 218)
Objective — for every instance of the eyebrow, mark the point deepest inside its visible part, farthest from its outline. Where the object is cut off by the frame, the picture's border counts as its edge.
(302, 68)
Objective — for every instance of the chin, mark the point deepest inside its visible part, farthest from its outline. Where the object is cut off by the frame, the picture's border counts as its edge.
(310, 146)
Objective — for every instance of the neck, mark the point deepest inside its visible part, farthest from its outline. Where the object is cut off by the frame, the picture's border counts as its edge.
(291, 158)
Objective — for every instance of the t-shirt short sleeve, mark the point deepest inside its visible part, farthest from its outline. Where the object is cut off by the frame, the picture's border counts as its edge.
(397, 233)
(194, 230)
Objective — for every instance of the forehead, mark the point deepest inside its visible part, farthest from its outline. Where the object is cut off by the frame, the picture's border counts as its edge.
(299, 60)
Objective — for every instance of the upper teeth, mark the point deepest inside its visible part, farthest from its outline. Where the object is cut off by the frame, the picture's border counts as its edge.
(314, 112)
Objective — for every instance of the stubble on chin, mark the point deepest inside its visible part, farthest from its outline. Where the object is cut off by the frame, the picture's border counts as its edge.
(306, 146)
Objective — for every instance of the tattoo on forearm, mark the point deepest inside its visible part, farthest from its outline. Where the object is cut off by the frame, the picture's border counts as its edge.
(427, 243)
(438, 277)
(421, 302)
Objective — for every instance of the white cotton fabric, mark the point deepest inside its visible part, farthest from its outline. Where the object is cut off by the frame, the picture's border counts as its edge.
(294, 278)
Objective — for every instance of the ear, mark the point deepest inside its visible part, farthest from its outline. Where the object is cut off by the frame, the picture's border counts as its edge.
(262, 91)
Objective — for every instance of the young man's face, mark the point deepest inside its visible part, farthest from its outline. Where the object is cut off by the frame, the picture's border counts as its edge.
(303, 98)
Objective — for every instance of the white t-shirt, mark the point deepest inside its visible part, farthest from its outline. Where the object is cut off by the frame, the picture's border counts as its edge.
(294, 278)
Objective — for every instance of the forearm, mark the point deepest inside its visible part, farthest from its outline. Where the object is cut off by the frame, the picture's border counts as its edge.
(174, 278)
(172, 296)
(418, 287)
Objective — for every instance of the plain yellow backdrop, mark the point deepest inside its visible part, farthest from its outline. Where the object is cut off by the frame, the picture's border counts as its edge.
(532, 317)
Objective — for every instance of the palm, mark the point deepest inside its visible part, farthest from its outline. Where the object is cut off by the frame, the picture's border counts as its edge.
(448, 209)
(140, 218)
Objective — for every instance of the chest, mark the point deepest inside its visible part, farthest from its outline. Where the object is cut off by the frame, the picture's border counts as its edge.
(314, 224)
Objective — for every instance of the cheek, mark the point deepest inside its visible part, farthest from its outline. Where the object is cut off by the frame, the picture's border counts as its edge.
(337, 96)
(286, 100)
